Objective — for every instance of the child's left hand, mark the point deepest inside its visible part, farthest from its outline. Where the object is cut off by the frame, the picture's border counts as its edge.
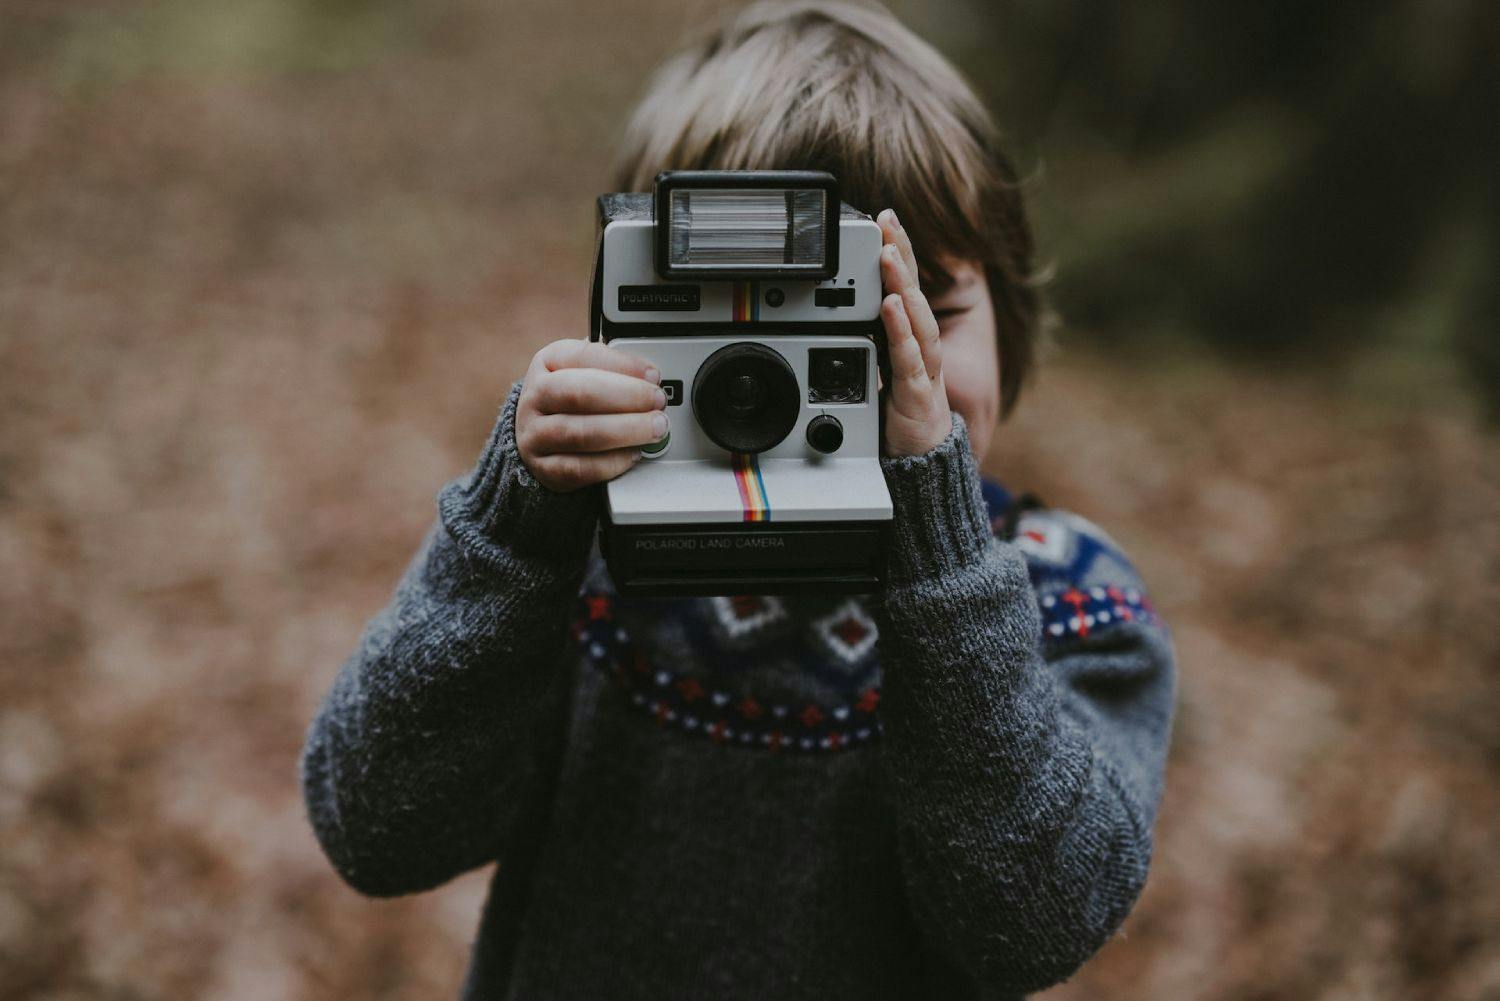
(917, 418)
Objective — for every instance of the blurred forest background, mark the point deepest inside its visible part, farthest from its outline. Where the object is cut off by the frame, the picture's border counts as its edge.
(268, 266)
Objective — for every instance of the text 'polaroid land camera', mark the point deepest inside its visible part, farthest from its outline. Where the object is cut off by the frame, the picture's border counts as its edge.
(757, 294)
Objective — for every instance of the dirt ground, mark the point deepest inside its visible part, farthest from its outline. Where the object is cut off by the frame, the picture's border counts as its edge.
(252, 318)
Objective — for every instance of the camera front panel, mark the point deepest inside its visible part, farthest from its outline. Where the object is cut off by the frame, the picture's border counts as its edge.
(817, 388)
(695, 480)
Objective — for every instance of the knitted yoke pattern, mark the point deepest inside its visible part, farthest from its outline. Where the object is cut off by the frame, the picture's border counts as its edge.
(945, 789)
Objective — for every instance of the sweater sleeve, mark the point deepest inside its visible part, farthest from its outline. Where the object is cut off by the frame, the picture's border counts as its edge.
(432, 744)
(1025, 766)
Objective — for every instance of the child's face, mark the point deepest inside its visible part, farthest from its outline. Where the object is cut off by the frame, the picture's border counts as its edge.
(971, 359)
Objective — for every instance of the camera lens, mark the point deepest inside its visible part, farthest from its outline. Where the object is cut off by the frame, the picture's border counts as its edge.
(836, 375)
(746, 397)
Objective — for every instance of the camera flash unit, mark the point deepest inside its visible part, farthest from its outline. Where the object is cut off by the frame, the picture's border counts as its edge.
(746, 225)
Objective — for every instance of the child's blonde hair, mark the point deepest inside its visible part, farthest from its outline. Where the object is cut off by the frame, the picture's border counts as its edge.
(849, 89)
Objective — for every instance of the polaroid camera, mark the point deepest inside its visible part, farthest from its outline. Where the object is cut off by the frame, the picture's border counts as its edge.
(757, 294)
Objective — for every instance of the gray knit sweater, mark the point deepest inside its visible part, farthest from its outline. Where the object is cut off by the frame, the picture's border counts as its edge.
(942, 791)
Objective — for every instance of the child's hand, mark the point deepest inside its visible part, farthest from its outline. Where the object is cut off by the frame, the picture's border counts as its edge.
(585, 411)
(917, 418)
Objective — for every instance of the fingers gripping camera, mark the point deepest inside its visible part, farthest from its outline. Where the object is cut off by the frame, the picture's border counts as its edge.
(757, 295)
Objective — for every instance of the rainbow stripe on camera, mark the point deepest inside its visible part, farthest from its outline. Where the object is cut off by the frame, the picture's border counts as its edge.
(746, 307)
(752, 487)
(757, 506)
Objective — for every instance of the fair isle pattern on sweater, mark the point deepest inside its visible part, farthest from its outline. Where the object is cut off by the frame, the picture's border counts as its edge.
(1062, 550)
(720, 713)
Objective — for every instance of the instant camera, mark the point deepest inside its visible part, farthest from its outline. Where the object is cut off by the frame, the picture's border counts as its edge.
(757, 294)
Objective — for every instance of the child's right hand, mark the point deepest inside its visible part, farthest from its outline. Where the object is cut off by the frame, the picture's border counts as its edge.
(585, 411)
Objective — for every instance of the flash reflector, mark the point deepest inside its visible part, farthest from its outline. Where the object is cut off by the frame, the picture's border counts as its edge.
(770, 228)
(747, 225)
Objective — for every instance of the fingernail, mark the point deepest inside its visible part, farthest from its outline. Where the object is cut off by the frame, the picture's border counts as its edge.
(658, 424)
(661, 399)
(653, 374)
(895, 219)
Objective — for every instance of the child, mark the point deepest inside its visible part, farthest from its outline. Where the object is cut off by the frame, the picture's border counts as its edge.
(944, 790)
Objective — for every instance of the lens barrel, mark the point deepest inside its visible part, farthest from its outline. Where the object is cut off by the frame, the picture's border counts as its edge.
(746, 397)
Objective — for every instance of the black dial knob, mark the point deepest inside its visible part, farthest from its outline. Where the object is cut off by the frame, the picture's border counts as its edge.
(825, 433)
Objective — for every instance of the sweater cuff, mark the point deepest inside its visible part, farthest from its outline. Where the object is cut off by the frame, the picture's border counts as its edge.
(499, 503)
(941, 522)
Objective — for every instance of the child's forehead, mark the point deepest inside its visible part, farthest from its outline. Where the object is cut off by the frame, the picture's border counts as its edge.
(963, 272)
(950, 273)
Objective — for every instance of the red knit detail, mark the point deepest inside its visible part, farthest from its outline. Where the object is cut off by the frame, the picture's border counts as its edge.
(851, 630)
